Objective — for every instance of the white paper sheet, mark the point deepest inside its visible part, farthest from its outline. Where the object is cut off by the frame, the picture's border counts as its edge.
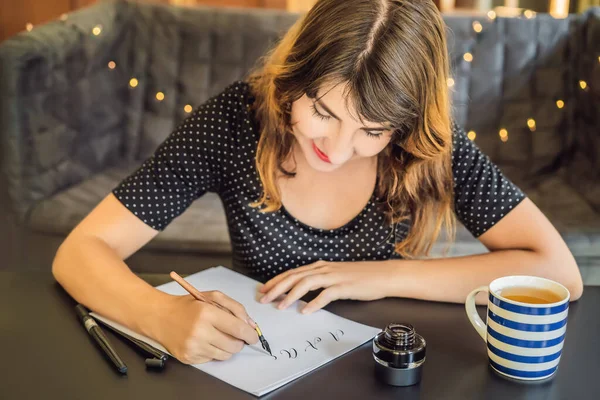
(253, 369)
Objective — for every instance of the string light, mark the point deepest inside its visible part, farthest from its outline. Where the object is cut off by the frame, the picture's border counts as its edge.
(97, 30)
(133, 82)
(450, 82)
(531, 124)
(477, 27)
(491, 15)
(29, 27)
(529, 14)
(583, 84)
(468, 57)
(160, 96)
(112, 65)
(472, 135)
(560, 103)
(503, 135)
(63, 17)
(559, 8)
(187, 108)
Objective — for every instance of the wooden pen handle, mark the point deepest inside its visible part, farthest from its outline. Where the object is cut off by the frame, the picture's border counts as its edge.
(195, 292)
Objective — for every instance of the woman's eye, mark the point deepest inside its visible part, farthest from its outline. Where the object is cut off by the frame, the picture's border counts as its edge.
(376, 135)
(318, 114)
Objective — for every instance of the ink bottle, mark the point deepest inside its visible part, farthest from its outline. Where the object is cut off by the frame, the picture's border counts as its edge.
(399, 354)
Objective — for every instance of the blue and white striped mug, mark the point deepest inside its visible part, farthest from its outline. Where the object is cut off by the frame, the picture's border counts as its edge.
(524, 339)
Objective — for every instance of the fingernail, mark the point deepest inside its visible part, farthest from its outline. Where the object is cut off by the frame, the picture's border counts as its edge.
(281, 306)
(306, 310)
(251, 322)
(263, 299)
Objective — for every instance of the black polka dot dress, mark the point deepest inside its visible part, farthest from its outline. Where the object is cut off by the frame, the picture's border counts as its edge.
(214, 150)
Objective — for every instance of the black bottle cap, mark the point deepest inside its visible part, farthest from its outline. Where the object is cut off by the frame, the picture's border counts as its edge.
(155, 363)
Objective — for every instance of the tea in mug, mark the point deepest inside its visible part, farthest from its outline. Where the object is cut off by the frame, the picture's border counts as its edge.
(531, 295)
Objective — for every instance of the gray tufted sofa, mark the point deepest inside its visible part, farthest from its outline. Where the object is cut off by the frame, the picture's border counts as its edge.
(72, 126)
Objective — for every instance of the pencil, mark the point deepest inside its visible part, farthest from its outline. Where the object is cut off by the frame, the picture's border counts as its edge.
(199, 296)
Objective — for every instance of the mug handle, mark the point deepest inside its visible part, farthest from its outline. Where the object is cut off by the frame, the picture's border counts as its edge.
(472, 313)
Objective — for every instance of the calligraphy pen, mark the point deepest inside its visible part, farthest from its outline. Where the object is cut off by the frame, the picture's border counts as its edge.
(199, 296)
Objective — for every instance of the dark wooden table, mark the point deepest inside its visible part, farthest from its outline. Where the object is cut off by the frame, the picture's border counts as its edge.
(47, 354)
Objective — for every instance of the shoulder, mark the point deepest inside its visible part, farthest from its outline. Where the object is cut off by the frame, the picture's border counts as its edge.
(232, 102)
(237, 93)
(459, 136)
(463, 148)
(226, 116)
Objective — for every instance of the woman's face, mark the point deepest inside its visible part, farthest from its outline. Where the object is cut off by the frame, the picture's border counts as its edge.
(329, 136)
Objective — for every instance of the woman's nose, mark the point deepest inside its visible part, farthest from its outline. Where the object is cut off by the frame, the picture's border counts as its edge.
(340, 148)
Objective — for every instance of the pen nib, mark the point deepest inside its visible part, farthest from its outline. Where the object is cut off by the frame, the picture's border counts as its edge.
(265, 345)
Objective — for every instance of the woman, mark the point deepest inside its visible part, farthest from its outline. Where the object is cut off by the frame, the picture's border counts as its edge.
(338, 165)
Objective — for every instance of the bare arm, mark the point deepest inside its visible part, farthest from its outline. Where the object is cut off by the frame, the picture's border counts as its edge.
(89, 265)
(524, 242)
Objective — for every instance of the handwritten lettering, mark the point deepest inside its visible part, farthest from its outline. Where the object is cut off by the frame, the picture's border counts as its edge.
(337, 334)
(292, 353)
(313, 344)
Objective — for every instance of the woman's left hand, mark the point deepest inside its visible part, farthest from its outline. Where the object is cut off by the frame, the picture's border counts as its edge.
(363, 280)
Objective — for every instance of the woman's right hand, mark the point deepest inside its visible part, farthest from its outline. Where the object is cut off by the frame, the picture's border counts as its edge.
(195, 332)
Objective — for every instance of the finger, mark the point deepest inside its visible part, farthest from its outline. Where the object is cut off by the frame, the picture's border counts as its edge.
(286, 284)
(195, 355)
(325, 297)
(274, 281)
(235, 307)
(199, 359)
(305, 285)
(225, 342)
(216, 353)
(233, 326)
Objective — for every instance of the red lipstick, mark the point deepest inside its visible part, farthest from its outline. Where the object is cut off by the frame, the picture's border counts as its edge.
(320, 154)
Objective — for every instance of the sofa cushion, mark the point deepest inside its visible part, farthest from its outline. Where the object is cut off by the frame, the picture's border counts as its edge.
(202, 227)
(571, 214)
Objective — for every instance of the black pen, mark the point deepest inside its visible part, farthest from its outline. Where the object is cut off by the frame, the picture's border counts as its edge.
(145, 347)
(101, 340)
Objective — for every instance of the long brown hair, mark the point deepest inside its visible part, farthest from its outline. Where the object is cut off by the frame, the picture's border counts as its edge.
(392, 55)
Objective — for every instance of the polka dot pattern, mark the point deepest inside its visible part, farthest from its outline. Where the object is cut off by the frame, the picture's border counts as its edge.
(214, 150)
(482, 194)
